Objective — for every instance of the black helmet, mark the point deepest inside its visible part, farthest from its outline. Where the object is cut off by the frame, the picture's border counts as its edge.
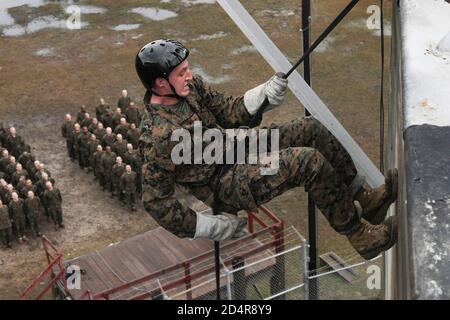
(157, 59)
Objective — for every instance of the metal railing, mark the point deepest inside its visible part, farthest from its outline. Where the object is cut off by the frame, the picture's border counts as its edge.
(54, 269)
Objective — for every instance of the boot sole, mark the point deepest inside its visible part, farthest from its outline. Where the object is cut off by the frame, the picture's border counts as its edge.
(393, 239)
(382, 211)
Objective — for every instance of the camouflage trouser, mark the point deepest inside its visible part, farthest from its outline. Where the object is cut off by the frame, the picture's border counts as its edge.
(56, 214)
(70, 148)
(19, 226)
(108, 180)
(309, 156)
(84, 158)
(116, 187)
(130, 199)
(34, 225)
(6, 236)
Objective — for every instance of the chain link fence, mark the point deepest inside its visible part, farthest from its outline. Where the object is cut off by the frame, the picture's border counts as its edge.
(272, 265)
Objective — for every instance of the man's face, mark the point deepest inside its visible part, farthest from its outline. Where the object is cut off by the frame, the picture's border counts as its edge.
(179, 78)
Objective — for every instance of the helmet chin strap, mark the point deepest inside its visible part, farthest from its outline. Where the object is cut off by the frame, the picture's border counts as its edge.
(170, 95)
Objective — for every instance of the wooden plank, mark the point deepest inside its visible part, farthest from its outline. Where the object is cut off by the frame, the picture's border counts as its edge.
(146, 254)
(336, 263)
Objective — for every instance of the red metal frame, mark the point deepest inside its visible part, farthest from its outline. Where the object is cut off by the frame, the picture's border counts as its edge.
(54, 259)
(276, 229)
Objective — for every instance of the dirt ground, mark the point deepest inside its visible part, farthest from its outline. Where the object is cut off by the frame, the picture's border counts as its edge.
(47, 73)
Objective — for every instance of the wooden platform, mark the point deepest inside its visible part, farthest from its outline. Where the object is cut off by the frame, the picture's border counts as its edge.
(151, 252)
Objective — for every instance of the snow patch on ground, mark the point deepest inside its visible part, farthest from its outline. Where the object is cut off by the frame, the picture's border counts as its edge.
(243, 49)
(426, 69)
(194, 2)
(209, 78)
(125, 26)
(7, 4)
(91, 9)
(216, 35)
(276, 13)
(324, 46)
(45, 52)
(155, 14)
(5, 18)
(45, 22)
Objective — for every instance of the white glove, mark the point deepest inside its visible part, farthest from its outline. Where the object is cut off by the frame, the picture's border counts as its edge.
(274, 89)
(219, 227)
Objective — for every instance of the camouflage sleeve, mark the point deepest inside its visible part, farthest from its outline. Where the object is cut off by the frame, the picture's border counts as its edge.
(230, 112)
(158, 188)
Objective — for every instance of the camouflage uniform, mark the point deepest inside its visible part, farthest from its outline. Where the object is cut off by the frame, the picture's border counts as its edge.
(83, 140)
(100, 111)
(128, 183)
(92, 147)
(87, 122)
(133, 137)
(309, 156)
(80, 116)
(4, 162)
(16, 176)
(98, 172)
(108, 140)
(5, 226)
(100, 133)
(122, 129)
(53, 200)
(10, 169)
(25, 189)
(92, 127)
(108, 120)
(15, 145)
(116, 120)
(117, 172)
(33, 211)
(27, 161)
(108, 161)
(17, 216)
(76, 146)
(133, 116)
(41, 188)
(67, 133)
(123, 103)
(120, 148)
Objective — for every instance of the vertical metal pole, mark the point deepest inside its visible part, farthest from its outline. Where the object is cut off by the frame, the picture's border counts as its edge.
(228, 277)
(312, 212)
(304, 252)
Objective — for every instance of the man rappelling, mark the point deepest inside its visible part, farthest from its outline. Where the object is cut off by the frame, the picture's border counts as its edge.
(309, 156)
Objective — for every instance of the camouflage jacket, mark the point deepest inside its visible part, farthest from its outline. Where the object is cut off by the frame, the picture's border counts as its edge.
(53, 198)
(160, 174)
(33, 207)
(128, 182)
(5, 222)
(67, 129)
(16, 210)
